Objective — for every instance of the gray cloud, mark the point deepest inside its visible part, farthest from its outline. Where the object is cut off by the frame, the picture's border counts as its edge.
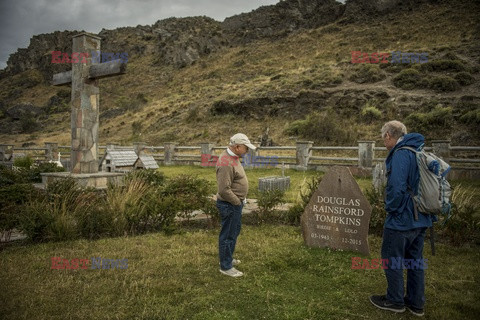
(21, 19)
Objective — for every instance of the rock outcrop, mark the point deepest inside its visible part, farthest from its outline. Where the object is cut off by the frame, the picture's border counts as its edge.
(279, 20)
(182, 41)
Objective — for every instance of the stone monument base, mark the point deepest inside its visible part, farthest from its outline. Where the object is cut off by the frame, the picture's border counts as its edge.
(98, 180)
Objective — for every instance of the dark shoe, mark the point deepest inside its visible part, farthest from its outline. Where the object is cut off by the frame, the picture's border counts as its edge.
(415, 311)
(384, 304)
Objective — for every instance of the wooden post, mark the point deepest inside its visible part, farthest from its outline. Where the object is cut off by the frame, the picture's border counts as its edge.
(51, 151)
(6, 152)
(304, 153)
(139, 147)
(206, 148)
(366, 153)
(169, 153)
(250, 158)
(442, 149)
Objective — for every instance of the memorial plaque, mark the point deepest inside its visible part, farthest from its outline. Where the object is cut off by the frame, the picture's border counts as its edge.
(338, 214)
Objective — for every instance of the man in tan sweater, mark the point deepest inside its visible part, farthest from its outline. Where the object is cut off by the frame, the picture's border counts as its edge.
(232, 194)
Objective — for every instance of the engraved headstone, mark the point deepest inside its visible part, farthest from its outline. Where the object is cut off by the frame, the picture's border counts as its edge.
(338, 214)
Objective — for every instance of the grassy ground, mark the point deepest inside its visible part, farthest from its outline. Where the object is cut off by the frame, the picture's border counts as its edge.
(297, 178)
(176, 277)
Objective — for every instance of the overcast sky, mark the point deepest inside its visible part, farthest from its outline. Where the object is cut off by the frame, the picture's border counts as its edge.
(21, 19)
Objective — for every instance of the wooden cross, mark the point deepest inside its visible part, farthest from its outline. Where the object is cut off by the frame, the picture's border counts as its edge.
(85, 101)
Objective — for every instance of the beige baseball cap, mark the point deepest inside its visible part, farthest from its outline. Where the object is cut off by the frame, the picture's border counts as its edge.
(240, 138)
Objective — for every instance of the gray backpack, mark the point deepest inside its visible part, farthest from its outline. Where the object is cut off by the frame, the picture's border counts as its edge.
(434, 191)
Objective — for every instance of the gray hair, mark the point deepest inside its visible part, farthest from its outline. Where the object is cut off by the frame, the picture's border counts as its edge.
(395, 129)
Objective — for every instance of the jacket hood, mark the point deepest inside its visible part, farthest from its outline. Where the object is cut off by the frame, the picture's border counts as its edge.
(414, 140)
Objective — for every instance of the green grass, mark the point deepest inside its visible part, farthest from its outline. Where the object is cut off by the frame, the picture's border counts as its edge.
(176, 277)
(297, 178)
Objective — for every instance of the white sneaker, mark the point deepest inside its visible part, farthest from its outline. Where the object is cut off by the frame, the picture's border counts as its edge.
(235, 262)
(232, 272)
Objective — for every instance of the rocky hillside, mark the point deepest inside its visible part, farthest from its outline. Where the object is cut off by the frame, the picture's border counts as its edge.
(287, 67)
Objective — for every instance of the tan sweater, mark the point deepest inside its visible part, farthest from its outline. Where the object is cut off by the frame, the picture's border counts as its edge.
(231, 179)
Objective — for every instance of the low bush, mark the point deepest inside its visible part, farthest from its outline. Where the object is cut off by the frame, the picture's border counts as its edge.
(64, 211)
(267, 201)
(378, 216)
(190, 191)
(408, 79)
(443, 65)
(211, 211)
(464, 224)
(440, 118)
(307, 188)
(151, 176)
(25, 171)
(471, 117)
(132, 103)
(367, 73)
(12, 197)
(23, 162)
(34, 172)
(326, 126)
(53, 216)
(464, 78)
(443, 83)
(370, 113)
(9, 176)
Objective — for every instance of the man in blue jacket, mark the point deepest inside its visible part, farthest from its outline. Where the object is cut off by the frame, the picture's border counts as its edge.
(403, 236)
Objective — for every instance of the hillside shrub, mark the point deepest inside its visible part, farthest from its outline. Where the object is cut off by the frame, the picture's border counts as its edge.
(471, 117)
(464, 78)
(29, 123)
(132, 103)
(440, 118)
(408, 79)
(325, 127)
(28, 79)
(443, 83)
(367, 73)
(370, 113)
(443, 65)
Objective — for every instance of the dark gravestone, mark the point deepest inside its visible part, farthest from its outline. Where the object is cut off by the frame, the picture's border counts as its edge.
(338, 214)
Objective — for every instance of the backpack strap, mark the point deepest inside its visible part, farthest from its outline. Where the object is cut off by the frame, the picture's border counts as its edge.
(409, 189)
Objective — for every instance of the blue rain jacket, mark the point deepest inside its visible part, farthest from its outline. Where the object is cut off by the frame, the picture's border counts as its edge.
(402, 172)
